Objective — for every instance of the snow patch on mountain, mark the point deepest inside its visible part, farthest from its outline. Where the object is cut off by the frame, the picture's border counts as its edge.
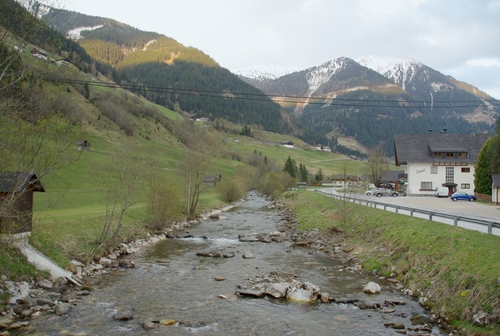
(401, 70)
(265, 72)
(320, 75)
(75, 34)
(147, 44)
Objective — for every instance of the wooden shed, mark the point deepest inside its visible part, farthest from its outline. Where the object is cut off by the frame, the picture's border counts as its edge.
(16, 201)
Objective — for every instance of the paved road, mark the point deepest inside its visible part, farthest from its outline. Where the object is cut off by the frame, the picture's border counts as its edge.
(479, 210)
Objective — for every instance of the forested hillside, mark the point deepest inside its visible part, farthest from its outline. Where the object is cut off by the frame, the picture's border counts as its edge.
(181, 78)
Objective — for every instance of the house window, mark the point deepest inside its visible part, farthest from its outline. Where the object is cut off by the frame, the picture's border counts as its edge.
(450, 174)
(466, 170)
(434, 169)
(465, 186)
(438, 155)
(426, 186)
(449, 155)
(462, 155)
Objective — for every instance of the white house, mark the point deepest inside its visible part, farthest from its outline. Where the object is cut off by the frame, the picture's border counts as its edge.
(438, 160)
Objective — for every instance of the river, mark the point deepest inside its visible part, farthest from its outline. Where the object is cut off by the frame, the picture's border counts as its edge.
(171, 282)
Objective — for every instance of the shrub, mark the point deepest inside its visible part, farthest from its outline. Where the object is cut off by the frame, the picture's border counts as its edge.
(164, 204)
(231, 190)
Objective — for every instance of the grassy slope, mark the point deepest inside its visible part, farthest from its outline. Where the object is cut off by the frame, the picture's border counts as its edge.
(455, 269)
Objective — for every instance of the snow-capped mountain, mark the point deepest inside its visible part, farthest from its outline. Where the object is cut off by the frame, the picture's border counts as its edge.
(265, 72)
(399, 69)
(322, 74)
(375, 97)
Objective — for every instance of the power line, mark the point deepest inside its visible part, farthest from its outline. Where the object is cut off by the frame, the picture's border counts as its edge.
(328, 101)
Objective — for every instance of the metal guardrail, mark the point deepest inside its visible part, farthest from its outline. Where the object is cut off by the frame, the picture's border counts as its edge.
(431, 214)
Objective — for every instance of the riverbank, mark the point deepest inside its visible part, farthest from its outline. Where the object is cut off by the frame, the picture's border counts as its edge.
(34, 293)
(200, 277)
(452, 271)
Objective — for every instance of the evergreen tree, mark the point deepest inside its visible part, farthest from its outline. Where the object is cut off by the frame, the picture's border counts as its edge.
(482, 177)
(319, 176)
(290, 167)
(303, 173)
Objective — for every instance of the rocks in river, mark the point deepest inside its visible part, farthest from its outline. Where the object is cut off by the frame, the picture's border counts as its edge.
(325, 297)
(248, 255)
(278, 290)
(167, 322)
(125, 263)
(248, 238)
(211, 254)
(251, 292)
(302, 292)
(214, 217)
(216, 254)
(148, 325)
(372, 288)
(124, 315)
(219, 279)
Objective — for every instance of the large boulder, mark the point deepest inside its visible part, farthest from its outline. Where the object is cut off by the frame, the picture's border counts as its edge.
(305, 292)
(278, 290)
(372, 288)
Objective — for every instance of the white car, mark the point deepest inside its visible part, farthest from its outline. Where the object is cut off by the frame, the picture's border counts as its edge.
(379, 192)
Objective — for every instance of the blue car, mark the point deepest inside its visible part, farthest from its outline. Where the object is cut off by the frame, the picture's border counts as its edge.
(461, 196)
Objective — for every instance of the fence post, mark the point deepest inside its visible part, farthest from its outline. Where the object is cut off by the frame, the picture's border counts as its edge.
(490, 228)
(430, 216)
(455, 222)
(411, 212)
(397, 209)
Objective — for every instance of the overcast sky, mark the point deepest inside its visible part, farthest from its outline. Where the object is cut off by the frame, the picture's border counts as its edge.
(460, 38)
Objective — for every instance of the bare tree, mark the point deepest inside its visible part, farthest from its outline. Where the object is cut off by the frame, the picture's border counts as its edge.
(196, 164)
(377, 163)
(121, 179)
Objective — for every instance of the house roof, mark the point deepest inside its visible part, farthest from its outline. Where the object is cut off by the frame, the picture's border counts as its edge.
(392, 175)
(496, 180)
(18, 181)
(420, 147)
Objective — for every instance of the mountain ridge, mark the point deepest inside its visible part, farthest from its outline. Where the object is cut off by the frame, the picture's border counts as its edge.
(366, 98)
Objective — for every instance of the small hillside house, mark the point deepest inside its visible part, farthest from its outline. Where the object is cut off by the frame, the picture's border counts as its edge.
(212, 179)
(438, 160)
(16, 201)
(287, 144)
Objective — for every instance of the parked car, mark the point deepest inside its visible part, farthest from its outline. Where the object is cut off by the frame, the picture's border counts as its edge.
(460, 195)
(379, 192)
(441, 192)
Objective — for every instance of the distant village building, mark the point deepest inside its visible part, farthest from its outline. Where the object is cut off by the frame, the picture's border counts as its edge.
(287, 144)
(16, 201)
(82, 145)
(212, 179)
(39, 53)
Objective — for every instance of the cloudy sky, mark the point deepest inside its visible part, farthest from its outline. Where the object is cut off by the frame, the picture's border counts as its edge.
(460, 38)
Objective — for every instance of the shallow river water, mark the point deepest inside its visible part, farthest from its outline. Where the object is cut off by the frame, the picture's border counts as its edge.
(171, 282)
